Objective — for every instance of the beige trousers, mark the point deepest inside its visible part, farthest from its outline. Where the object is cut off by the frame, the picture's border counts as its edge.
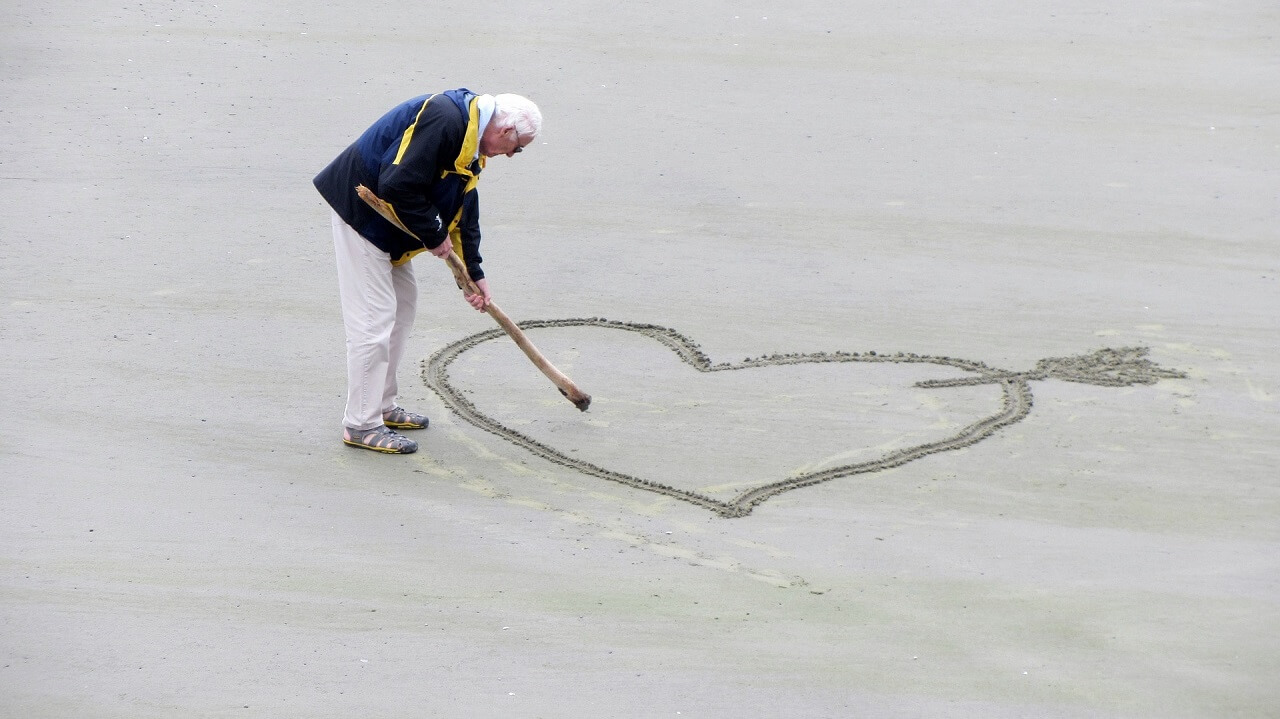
(379, 301)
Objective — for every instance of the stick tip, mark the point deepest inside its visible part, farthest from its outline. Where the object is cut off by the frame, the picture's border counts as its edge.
(580, 399)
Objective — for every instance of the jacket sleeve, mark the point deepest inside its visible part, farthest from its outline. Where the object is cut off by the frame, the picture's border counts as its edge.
(469, 234)
(428, 147)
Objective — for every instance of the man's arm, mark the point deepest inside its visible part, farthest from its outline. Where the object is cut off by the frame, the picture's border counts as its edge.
(469, 243)
(469, 235)
(426, 149)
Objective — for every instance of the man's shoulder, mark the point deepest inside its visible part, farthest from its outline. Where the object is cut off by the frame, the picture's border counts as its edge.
(436, 110)
(441, 108)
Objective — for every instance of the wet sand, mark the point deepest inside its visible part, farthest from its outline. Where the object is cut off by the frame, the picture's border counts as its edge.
(184, 535)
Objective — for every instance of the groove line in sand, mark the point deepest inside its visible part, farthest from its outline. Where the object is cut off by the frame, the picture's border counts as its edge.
(1109, 367)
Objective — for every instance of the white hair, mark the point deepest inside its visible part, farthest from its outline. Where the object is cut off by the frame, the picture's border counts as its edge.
(519, 112)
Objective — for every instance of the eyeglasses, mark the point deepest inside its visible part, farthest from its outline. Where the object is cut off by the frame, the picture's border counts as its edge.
(518, 147)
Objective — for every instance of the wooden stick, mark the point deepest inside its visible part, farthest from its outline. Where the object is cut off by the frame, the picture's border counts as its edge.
(580, 399)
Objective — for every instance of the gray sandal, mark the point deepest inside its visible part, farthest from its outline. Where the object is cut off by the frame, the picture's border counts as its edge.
(401, 418)
(379, 439)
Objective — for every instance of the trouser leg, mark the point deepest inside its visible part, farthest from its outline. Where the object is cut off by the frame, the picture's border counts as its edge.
(369, 308)
(406, 289)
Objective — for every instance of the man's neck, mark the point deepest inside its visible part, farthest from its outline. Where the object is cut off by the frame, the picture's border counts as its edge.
(484, 111)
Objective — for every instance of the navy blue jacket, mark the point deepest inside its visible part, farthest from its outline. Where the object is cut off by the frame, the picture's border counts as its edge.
(420, 159)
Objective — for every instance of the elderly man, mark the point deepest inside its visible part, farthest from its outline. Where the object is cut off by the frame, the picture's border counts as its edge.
(423, 159)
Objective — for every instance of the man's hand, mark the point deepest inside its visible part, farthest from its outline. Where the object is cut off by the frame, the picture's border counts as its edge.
(442, 251)
(481, 300)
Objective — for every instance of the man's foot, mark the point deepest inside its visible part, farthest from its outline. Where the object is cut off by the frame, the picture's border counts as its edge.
(379, 439)
(401, 418)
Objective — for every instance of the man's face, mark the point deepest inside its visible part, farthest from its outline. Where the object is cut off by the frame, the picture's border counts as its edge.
(502, 141)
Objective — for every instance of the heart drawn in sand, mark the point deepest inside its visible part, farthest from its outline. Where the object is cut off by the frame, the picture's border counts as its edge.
(1112, 367)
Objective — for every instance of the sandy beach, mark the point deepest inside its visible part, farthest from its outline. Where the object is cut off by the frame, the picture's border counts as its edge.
(788, 526)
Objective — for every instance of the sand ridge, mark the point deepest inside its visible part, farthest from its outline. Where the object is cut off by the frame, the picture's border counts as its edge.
(1108, 367)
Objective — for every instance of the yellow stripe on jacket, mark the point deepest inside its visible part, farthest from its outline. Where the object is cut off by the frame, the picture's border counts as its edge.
(407, 137)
